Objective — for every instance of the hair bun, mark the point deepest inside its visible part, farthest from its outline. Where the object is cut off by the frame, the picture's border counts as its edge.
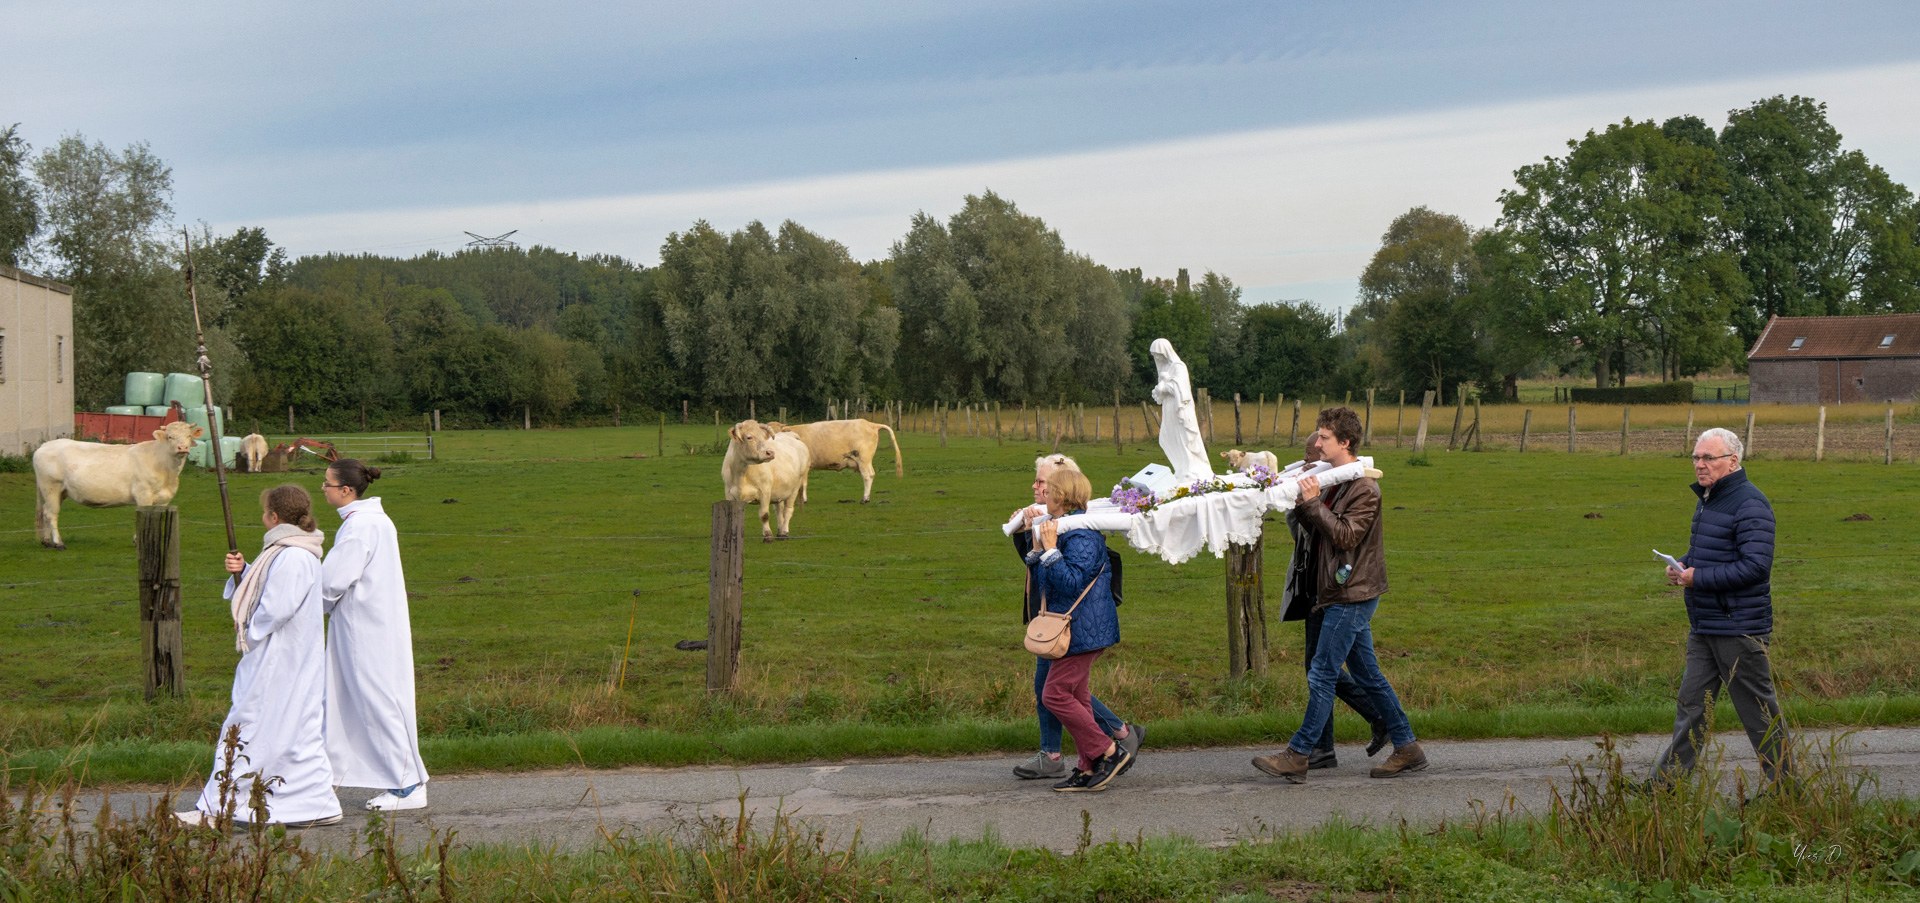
(373, 473)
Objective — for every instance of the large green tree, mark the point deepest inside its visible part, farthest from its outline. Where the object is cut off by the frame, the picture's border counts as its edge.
(1287, 348)
(1623, 245)
(19, 202)
(1423, 283)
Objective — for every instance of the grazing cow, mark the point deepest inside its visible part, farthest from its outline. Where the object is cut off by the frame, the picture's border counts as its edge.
(1244, 462)
(102, 476)
(843, 444)
(765, 466)
(254, 450)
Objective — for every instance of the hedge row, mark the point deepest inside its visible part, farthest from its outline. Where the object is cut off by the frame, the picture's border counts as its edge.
(1657, 393)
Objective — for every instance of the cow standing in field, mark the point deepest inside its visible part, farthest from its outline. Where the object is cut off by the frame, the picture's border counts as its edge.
(1244, 462)
(843, 444)
(103, 476)
(766, 466)
(254, 450)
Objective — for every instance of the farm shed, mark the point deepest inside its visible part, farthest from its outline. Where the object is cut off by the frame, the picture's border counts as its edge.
(36, 360)
(1836, 360)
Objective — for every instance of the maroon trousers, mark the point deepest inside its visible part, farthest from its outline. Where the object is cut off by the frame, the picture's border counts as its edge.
(1067, 696)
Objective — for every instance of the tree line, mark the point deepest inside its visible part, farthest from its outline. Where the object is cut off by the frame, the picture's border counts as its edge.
(1646, 248)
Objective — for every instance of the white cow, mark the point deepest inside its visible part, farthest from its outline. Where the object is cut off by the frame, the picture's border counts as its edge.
(843, 444)
(766, 466)
(103, 476)
(1244, 462)
(254, 449)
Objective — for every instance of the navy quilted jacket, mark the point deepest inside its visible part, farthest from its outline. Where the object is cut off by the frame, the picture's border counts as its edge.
(1083, 558)
(1731, 553)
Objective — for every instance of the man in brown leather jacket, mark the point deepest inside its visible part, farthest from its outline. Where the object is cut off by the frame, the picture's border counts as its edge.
(1351, 563)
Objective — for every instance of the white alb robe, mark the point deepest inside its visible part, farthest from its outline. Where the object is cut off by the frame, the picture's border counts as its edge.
(373, 734)
(279, 699)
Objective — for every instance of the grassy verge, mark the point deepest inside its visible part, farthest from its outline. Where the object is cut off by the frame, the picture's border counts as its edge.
(553, 572)
(1825, 837)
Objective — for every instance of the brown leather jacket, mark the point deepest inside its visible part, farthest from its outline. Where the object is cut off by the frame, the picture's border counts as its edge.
(1347, 532)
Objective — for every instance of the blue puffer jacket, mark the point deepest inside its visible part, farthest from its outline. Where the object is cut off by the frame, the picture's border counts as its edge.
(1731, 553)
(1083, 554)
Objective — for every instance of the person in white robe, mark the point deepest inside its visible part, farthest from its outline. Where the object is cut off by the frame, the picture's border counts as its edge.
(1179, 422)
(279, 687)
(373, 734)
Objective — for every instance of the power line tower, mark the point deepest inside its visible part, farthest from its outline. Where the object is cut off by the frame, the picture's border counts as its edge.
(497, 241)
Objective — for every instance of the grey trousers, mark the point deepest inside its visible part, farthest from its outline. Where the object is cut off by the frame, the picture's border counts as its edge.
(1739, 663)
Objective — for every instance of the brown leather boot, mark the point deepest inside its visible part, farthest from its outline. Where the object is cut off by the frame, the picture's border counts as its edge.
(1284, 764)
(1404, 759)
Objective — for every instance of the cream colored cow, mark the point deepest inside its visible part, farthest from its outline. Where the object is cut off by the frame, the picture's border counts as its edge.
(254, 449)
(103, 476)
(843, 445)
(1244, 462)
(766, 466)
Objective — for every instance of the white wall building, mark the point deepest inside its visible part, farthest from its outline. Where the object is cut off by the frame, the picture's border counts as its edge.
(36, 361)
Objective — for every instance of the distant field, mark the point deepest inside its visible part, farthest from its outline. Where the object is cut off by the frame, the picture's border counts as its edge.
(1525, 601)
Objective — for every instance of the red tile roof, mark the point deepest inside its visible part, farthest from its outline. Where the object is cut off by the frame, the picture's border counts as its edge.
(1831, 337)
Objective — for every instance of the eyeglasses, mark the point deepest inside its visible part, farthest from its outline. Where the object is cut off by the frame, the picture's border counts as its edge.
(343, 485)
(1702, 459)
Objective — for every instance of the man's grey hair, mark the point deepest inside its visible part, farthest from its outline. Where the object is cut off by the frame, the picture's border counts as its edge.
(1729, 440)
(1054, 461)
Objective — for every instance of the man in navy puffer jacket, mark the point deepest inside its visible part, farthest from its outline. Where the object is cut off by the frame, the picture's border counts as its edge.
(1726, 570)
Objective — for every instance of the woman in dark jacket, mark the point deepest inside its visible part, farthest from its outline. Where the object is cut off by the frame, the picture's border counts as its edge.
(1074, 575)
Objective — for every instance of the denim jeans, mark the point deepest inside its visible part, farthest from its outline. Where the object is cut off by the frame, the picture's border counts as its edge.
(1346, 636)
(1050, 727)
(1344, 688)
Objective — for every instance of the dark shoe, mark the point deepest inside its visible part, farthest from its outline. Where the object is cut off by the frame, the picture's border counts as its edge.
(1404, 759)
(1074, 783)
(1041, 765)
(1284, 764)
(1321, 758)
(1379, 741)
(1108, 767)
(320, 822)
(1136, 735)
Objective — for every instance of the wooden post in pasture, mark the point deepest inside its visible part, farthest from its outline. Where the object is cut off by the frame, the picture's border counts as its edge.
(1116, 421)
(1238, 439)
(289, 420)
(1420, 429)
(1820, 436)
(1399, 412)
(1206, 410)
(716, 429)
(1478, 433)
(1039, 426)
(526, 417)
(783, 413)
(661, 452)
(753, 413)
(1259, 410)
(1246, 611)
(1080, 422)
(1572, 429)
(1749, 438)
(156, 531)
(1686, 438)
(940, 417)
(1889, 458)
(1623, 429)
(1293, 435)
(724, 577)
(1366, 425)
(1459, 413)
(436, 420)
(683, 412)
(1146, 419)
(1526, 424)
(997, 432)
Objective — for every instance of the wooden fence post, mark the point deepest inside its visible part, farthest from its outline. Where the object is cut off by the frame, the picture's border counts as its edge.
(662, 450)
(1475, 431)
(1572, 429)
(526, 415)
(1820, 436)
(1398, 413)
(1526, 423)
(783, 413)
(1246, 611)
(940, 415)
(156, 531)
(1366, 426)
(1623, 429)
(1146, 420)
(683, 412)
(1889, 458)
(1749, 438)
(753, 413)
(1293, 435)
(1459, 413)
(1686, 439)
(1116, 421)
(1206, 409)
(1420, 431)
(724, 578)
(997, 433)
(436, 420)
(1238, 439)
(289, 420)
(716, 429)
(1259, 410)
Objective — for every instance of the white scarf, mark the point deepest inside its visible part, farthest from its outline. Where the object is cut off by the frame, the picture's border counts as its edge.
(254, 581)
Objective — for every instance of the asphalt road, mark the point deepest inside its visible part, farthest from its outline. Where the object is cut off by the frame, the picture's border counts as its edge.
(1210, 795)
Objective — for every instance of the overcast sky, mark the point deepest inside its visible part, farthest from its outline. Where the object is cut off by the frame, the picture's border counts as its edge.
(1269, 142)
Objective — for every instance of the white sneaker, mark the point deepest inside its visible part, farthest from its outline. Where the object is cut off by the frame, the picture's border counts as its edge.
(387, 802)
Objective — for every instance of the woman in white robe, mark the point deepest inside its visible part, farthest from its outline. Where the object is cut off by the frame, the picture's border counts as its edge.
(373, 735)
(279, 687)
(1179, 423)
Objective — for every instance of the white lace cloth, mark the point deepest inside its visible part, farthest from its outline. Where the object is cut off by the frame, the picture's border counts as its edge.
(1176, 531)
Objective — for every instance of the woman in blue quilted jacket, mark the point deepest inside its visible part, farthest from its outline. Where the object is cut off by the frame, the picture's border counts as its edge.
(1075, 578)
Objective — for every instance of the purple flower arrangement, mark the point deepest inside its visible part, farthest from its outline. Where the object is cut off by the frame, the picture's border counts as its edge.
(1133, 499)
(1138, 499)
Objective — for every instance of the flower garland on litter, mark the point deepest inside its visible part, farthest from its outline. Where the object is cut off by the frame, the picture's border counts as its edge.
(1135, 499)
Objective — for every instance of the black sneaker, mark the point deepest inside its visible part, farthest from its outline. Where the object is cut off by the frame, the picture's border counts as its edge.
(1379, 740)
(1108, 768)
(1136, 735)
(1322, 758)
(1074, 783)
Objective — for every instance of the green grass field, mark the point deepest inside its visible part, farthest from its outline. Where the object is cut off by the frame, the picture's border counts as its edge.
(1524, 602)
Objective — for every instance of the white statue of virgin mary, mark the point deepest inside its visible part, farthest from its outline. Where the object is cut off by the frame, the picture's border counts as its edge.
(1179, 423)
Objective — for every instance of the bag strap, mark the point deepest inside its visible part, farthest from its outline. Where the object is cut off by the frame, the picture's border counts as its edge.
(1076, 602)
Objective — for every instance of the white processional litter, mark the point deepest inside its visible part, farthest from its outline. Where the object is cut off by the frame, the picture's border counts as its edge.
(1176, 530)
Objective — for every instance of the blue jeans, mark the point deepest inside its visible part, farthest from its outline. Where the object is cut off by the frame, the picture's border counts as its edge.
(1050, 727)
(1346, 636)
(1344, 689)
